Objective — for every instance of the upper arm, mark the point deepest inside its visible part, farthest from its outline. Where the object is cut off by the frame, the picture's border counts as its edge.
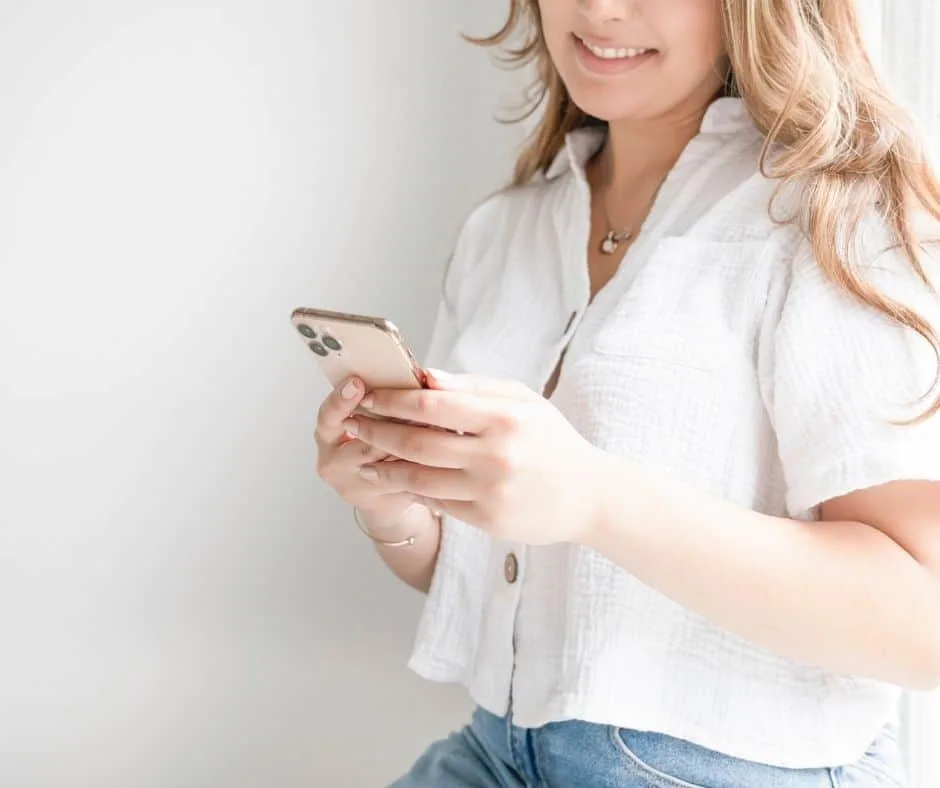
(842, 376)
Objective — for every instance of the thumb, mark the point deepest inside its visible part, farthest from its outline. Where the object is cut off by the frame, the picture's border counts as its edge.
(476, 384)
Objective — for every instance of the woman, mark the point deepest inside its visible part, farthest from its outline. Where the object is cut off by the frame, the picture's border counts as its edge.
(690, 475)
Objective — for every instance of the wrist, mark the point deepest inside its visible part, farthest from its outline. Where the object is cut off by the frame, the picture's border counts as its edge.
(412, 521)
(612, 497)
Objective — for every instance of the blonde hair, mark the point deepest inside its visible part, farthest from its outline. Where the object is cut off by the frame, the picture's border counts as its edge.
(805, 76)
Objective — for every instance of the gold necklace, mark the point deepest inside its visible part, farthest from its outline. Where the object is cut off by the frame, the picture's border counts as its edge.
(610, 243)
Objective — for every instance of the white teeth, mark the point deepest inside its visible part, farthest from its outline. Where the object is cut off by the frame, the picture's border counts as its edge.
(606, 53)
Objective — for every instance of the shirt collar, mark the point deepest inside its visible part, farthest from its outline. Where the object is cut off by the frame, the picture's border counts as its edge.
(724, 116)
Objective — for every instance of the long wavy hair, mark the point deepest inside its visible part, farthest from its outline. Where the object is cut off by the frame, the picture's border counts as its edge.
(804, 74)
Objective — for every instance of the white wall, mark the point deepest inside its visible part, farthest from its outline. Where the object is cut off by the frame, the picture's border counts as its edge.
(181, 603)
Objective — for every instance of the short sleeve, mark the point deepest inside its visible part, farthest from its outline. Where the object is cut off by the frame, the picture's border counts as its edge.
(446, 322)
(464, 276)
(841, 373)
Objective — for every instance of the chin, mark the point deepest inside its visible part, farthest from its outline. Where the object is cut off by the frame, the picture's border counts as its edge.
(615, 108)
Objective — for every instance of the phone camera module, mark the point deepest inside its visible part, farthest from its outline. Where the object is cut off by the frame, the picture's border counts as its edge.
(307, 331)
(332, 344)
(317, 348)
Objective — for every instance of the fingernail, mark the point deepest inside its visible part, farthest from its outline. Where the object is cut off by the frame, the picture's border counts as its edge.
(369, 474)
(350, 389)
(351, 426)
(368, 401)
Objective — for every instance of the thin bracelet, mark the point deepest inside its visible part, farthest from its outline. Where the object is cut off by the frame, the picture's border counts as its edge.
(409, 542)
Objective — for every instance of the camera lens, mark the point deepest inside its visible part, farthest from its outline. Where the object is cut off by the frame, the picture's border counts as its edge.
(332, 344)
(317, 348)
(307, 331)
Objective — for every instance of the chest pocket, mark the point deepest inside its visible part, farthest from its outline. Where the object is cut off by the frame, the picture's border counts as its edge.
(694, 304)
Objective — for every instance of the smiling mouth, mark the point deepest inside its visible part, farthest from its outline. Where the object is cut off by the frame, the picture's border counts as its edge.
(613, 53)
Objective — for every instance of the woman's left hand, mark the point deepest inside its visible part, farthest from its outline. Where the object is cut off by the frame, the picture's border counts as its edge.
(518, 470)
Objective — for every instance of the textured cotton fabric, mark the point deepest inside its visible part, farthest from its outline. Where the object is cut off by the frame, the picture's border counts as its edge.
(718, 353)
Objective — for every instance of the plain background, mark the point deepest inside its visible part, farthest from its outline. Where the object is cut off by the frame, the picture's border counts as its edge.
(182, 604)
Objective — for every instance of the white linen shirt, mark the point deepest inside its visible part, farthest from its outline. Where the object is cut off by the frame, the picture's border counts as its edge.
(717, 353)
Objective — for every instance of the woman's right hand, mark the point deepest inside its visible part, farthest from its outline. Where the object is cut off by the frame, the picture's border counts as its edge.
(340, 456)
(394, 516)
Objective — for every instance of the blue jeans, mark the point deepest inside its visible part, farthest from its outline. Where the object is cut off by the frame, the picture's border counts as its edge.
(493, 753)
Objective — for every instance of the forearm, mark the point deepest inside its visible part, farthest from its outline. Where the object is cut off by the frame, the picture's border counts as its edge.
(839, 595)
(413, 564)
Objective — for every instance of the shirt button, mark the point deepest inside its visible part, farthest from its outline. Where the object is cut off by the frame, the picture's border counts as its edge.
(511, 568)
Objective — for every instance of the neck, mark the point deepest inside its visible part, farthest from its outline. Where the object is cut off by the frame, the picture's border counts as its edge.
(641, 151)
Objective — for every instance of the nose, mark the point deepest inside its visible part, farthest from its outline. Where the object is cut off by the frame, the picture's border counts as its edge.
(597, 12)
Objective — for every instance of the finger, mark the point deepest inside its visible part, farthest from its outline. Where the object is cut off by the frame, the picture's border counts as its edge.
(457, 411)
(476, 384)
(372, 497)
(420, 480)
(413, 443)
(353, 454)
(336, 408)
(465, 511)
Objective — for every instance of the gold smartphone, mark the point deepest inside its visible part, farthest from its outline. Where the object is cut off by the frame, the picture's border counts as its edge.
(370, 348)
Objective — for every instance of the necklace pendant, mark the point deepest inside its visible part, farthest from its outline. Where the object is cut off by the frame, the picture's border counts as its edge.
(610, 243)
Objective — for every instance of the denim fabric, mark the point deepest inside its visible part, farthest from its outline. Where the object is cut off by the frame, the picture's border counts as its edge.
(493, 753)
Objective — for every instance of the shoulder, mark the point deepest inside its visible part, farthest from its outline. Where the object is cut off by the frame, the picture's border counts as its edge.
(756, 208)
(511, 216)
(502, 210)
(740, 202)
(878, 262)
